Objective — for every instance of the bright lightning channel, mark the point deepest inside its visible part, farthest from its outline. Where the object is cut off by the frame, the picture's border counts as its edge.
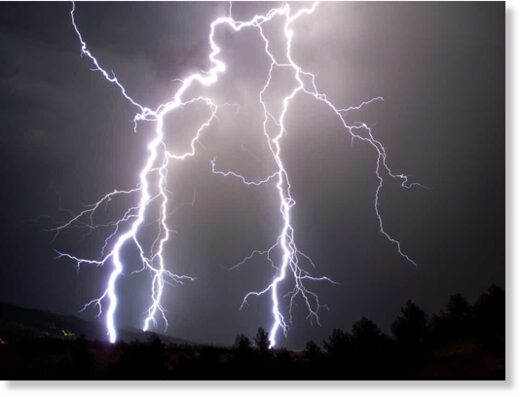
(125, 230)
(305, 83)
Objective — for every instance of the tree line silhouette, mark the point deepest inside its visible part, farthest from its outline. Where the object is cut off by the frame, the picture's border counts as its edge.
(463, 341)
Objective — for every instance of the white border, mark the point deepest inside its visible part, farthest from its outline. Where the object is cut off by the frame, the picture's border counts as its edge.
(316, 389)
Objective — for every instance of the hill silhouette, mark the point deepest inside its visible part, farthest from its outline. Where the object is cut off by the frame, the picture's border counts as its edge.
(462, 342)
(19, 323)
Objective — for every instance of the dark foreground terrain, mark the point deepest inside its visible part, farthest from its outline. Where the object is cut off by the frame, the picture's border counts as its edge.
(464, 341)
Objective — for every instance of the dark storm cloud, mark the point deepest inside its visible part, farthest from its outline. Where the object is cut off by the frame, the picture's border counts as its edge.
(66, 139)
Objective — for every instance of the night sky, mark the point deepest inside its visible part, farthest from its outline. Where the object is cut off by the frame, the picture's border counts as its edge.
(67, 139)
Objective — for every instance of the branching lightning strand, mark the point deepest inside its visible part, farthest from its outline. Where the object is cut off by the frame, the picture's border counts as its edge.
(290, 262)
(126, 229)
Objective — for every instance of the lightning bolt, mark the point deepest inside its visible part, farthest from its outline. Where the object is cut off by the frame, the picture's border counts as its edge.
(151, 188)
(274, 130)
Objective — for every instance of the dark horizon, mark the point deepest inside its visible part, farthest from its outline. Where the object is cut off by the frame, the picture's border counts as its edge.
(135, 331)
(465, 341)
(68, 139)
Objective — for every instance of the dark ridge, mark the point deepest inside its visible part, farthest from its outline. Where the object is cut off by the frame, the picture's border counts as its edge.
(19, 323)
(462, 342)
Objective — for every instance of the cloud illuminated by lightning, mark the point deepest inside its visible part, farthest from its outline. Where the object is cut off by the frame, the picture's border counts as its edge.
(152, 188)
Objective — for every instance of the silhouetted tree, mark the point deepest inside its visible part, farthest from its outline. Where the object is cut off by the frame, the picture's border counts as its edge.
(338, 343)
(262, 341)
(338, 354)
(410, 329)
(314, 356)
(370, 349)
(242, 358)
(490, 316)
(242, 343)
(366, 334)
(453, 322)
(263, 361)
(313, 352)
(458, 306)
